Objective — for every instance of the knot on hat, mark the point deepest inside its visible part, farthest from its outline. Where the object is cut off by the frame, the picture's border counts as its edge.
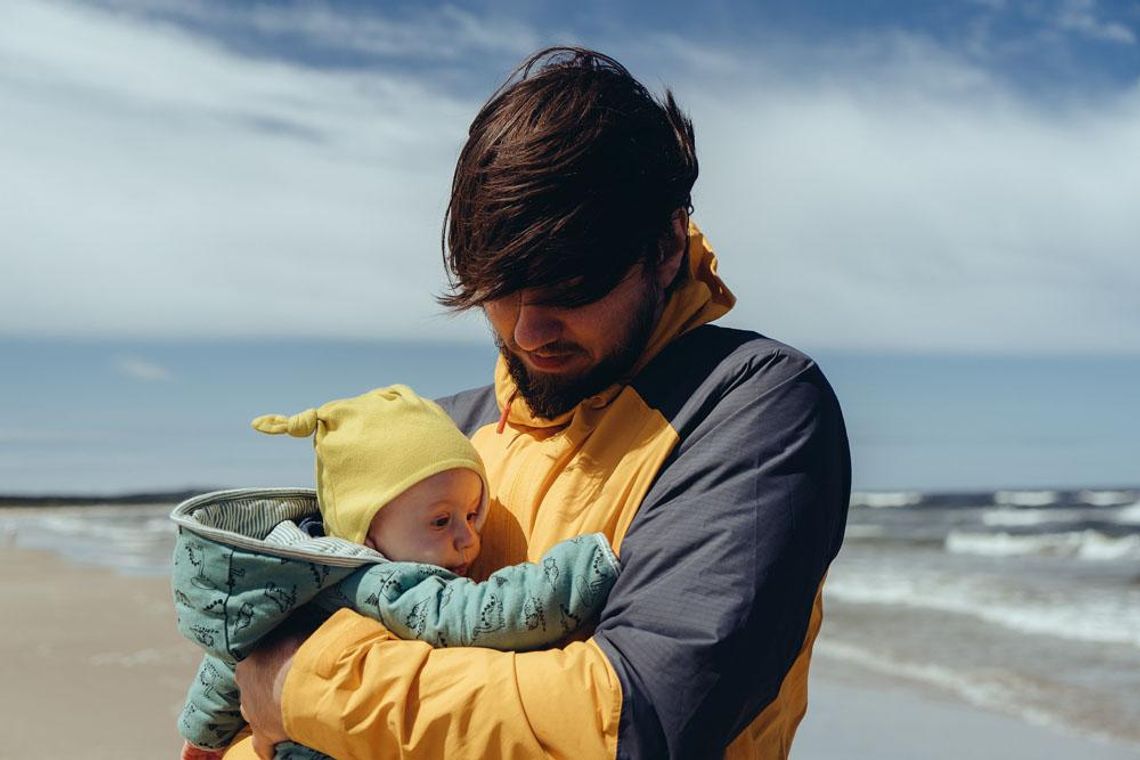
(300, 425)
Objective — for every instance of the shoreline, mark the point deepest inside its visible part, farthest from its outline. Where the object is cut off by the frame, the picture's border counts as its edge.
(95, 667)
(1012, 495)
(873, 719)
(862, 709)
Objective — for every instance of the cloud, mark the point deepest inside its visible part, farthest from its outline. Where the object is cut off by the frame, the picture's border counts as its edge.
(889, 194)
(157, 184)
(1080, 16)
(426, 34)
(141, 369)
(878, 191)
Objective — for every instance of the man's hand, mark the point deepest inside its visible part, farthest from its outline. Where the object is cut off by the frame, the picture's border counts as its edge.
(261, 679)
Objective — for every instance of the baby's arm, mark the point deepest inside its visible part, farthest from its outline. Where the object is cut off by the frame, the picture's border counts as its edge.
(523, 606)
(212, 715)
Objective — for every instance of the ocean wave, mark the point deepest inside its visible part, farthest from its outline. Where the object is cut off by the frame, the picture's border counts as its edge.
(1106, 498)
(1002, 692)
(1087, 545)
(886, 499)
(1093, 615)
(1129, 515)
(856, 532)
(1025, 498)
(134, 539)
(1006, 517)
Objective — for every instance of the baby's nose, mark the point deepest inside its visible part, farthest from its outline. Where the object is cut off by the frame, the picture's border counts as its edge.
(465, 536)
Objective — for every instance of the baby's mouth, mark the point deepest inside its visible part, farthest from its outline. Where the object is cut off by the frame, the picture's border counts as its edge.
(460, 569)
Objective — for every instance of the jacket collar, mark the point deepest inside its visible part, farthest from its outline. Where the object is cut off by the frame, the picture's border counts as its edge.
(702, 298)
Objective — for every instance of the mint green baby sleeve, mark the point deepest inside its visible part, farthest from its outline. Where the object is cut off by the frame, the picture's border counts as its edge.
(524, 606)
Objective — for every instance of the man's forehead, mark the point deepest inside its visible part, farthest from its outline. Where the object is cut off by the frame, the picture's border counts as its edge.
(577, 290)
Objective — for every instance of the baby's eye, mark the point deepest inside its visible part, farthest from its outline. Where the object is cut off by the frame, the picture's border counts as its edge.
(441, 521)
(471, 516)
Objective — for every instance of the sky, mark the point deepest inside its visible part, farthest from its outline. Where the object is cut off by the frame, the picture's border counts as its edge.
(215, 209)
(907, 177)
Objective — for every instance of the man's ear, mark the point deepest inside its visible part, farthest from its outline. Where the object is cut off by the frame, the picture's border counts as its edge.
(673, 249)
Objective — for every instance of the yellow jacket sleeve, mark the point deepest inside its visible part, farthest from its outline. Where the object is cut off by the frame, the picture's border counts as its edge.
(355, 691)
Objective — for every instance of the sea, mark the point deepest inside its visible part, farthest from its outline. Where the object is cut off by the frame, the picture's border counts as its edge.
(1025, 603)
(118, 417)
(992, 551)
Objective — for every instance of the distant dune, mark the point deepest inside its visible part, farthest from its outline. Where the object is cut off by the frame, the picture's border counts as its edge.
(72, 500)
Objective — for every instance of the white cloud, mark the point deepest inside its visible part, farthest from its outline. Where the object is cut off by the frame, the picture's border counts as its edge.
(906, 201)
(1080, 16)
(879, 192)
(137, 368)
(447, 32)
(430, 34)
(155, 184)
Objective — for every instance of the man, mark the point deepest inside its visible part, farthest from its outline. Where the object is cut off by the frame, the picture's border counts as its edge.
(715, 460)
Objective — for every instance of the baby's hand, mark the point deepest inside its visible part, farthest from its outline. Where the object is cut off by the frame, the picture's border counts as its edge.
(190, 752)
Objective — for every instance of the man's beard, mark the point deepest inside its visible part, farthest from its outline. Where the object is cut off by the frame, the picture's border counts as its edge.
(549, 395)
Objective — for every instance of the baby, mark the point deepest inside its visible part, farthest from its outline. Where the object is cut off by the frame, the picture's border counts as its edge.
(402, 495)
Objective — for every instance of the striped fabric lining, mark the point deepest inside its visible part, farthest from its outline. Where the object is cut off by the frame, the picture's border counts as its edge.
(264, 520)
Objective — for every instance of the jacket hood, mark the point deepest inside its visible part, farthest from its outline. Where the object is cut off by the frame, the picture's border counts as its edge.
(702, 298)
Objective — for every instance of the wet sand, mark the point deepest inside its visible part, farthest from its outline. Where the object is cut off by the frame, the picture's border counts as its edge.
(858, 715)
(93, 667)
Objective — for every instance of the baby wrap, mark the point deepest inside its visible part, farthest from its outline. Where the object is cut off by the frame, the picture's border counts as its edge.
(241, 566)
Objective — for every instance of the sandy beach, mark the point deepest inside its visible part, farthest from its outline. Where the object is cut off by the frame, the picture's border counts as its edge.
(93, 665)
(94, 668)
(857, 715)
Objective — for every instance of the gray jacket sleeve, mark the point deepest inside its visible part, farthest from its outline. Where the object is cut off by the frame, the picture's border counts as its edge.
(723, 561)
(519, 607)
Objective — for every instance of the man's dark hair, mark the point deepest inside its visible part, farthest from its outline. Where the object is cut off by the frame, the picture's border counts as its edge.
(570, 176)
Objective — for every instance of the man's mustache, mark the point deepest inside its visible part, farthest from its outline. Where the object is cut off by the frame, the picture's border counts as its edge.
(558, 347)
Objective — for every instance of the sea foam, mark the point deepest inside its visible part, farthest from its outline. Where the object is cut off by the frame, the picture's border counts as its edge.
(886, 499)
(1025, 498)
(1088, 545)
(1093, 615)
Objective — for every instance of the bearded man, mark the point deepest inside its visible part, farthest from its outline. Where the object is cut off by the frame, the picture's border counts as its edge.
(715, 460)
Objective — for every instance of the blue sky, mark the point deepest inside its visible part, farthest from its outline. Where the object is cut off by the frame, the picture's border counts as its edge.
(905, 177)
(196, 196)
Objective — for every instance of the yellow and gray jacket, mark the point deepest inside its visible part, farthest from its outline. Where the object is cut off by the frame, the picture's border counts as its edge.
(720, 474)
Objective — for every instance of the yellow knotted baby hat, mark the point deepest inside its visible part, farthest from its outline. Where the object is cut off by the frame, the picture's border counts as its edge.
(373, 447)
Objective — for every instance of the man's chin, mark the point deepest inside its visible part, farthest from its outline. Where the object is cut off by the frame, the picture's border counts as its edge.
(548, 394)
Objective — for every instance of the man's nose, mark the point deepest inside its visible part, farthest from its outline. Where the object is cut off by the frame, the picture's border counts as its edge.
(536, 326)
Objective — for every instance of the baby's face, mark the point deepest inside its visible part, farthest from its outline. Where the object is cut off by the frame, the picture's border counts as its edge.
(432, 522)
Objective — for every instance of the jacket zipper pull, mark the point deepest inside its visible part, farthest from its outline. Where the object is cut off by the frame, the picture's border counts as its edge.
(506, 413)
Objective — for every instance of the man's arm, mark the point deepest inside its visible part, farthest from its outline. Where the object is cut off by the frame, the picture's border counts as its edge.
(725, 558)
(721, 567)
